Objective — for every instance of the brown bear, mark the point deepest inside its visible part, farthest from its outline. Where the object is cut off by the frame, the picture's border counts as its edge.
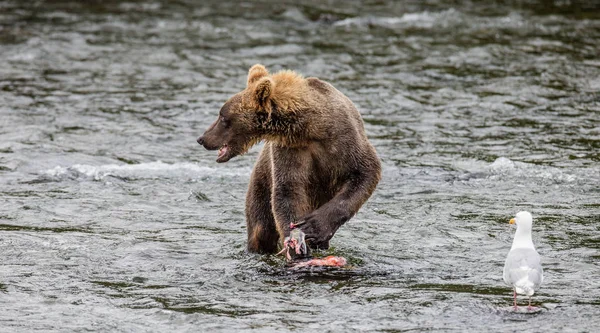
(317, 167)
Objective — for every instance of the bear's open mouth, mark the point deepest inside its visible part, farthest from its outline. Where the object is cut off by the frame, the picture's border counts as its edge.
(223, 152)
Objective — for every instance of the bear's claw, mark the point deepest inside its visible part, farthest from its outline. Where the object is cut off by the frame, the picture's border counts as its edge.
(296, 225)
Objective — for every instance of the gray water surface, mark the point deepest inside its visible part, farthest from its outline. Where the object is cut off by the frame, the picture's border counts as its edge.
(112, 217)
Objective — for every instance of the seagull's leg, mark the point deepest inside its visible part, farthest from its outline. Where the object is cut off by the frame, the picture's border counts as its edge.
(515, 296)
(529, 307)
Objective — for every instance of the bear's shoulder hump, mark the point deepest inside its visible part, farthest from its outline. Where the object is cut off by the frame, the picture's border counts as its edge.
(319, 85)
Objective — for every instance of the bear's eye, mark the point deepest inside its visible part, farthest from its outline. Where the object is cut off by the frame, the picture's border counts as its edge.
(223, 121)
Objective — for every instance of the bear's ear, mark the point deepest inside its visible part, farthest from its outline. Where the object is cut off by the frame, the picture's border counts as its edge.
(256, 72)
(262, 91)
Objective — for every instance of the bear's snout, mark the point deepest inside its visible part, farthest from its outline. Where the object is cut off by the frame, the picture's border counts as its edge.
(201, 140)
(208, 143)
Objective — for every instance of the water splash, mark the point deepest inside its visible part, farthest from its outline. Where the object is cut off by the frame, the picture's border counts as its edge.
(152, 170)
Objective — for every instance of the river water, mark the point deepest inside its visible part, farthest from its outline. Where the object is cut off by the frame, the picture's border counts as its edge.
(113, 218)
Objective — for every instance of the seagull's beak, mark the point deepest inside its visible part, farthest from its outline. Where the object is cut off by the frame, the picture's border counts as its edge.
(512, 221)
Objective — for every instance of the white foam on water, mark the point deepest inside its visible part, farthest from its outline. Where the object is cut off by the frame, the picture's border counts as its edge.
(149, 170)
(502, 163)
(504, 167)
(423, 20)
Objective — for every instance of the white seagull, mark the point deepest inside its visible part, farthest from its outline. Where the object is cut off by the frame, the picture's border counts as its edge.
(523, 268)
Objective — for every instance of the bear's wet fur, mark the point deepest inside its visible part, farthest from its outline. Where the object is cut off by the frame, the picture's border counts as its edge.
(317, 167)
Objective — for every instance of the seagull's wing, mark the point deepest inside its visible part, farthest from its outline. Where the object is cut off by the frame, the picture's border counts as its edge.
(523, 270)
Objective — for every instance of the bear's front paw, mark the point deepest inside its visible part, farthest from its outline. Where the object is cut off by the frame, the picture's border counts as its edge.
(318, 231)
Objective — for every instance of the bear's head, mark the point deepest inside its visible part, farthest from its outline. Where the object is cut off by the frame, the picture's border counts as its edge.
(246, 118)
